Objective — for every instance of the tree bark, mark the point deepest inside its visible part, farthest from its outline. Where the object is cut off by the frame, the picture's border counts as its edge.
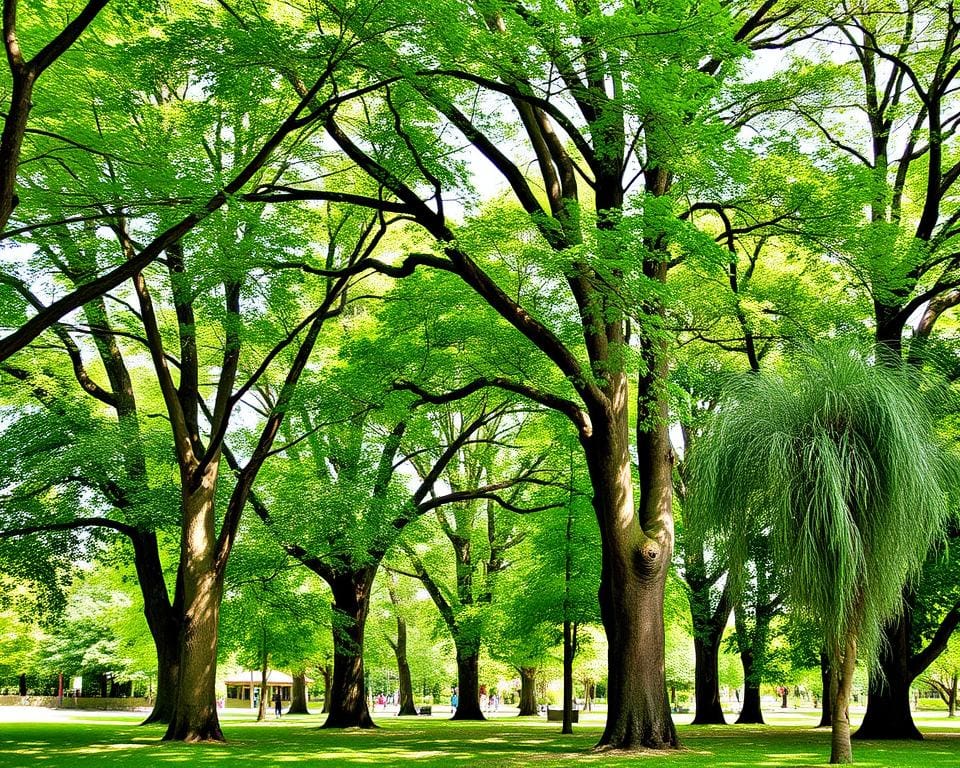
(264, 691)
(468, 684)
(22, 684)
(407, 706)
(351, 602)
(327, 688)
(11, 141)
(708, 621)
(841, 750)
(195, 714)
(298, 696)
(528, 691)
(635, 562)
(168, 675)
(750, 712)
(888, 713)
(568, 651)
(826, 684)
(706, 691)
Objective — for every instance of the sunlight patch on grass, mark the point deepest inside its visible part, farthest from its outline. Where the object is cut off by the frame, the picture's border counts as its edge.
(87, 742)
(95, 748)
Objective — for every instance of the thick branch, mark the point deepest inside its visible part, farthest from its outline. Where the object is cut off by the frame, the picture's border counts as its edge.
(70, 525)
(920, 661)
(42, 320)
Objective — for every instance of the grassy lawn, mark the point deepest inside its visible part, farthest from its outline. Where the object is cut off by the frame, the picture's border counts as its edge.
(34, 739)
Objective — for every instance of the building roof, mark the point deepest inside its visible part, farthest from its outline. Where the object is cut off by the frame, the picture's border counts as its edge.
(246, 677)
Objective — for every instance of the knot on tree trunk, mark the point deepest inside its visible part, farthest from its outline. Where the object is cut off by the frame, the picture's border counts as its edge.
(649, 552)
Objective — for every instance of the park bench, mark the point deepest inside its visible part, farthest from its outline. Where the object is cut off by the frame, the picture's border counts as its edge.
(426, 709)
(556, 715)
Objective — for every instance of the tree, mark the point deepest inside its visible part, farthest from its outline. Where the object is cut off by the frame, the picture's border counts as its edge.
(210, 299)
(273, 615)
(899, 73)
(24, 73)
(101, 635)
(176, 215)
(710, 589)
(22, 639)
(548, 595)
(62, 486)
(769, 285)
(399, 646)
(359, 505)
(836, 459)
(609, 124)
(943, 678)
(761, 598)
(480, 539)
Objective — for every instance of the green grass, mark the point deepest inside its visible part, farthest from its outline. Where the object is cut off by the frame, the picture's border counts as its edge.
(95, 739)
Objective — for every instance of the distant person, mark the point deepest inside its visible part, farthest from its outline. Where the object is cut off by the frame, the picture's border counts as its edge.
(277, 703)
(454, 700)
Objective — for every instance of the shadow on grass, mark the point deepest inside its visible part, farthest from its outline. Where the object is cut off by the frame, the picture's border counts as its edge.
(439, 743)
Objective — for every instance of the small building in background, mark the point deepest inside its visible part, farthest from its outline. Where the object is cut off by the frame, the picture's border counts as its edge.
(243, 687)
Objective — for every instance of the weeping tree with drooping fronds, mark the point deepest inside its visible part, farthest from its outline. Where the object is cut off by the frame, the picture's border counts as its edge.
(836, 459)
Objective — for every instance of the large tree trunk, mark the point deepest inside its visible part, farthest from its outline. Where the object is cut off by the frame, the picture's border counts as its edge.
(826, 684)
(298, 696)
(634, 570)
(528, 691)
(888, 699)
(568, 651)
(841, 750)
(750, 712)
(407, 706)
(195, 713)
(468, 684)
(707, 680)
(351, 602)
